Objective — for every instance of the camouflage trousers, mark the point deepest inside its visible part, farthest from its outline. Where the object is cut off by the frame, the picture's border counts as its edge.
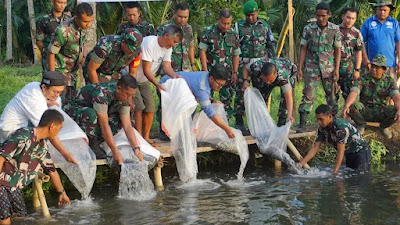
(345, 82)
(382, 114)
(311, 84)
(87, 119)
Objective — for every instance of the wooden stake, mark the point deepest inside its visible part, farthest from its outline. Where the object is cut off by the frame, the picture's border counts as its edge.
(158, 178)
(277, 165)
(42, 198)
(35, 198)
(296, 153)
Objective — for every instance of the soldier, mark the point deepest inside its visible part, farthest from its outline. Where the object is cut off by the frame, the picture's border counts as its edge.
(101, 110)
(28, 105)
(182, 58)
(219, 45)
(351, 53)
(374, 90)
(21, 156)
(381, 34)
(111, 54)
(256, 42)
(343, 136)
(133, 13)
(66, 48)
(320, 49)
(46, 26)
(268, 73)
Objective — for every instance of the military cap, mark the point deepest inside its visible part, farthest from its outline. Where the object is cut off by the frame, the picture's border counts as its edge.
(379, 60)
(383, 3)
(53, 78)
(250, 7)
(133, 38)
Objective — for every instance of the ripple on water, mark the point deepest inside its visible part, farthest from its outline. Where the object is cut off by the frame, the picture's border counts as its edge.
(313, 172)
(199, 185)
(242, 183)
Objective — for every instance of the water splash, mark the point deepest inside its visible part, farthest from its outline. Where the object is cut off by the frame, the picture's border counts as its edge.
(199, 185)
(242, 183)
(313, 172)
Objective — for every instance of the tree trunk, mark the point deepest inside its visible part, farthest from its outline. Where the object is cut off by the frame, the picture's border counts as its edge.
(32, 21)
(9, 55)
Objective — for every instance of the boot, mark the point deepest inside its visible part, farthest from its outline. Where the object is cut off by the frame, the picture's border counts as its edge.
(302, 124)
(98, 151)
(240, 126)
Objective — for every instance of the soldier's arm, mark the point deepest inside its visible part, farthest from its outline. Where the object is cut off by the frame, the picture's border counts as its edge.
(39, 33)
(357, 64)
(2, 160)
(349, 101)
(63, 151)
(337, 52)
(288, 95)
(246, 77)
(92, 71)
(203, 60)
(396, 100)
(192, 58)
(108, 136)
(310, 154)
(52, 61)
(339, 157)
(130, 133)
(302, 58)
(56, 181)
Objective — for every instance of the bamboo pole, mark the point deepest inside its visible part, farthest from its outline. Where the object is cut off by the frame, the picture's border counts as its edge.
(35, 198)
(158, 178)
(296, 153)
(42, 198)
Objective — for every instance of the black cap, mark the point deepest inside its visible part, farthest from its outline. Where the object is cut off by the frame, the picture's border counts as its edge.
(53, 78)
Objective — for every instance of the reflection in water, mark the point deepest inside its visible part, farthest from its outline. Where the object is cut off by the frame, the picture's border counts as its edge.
(260, 198)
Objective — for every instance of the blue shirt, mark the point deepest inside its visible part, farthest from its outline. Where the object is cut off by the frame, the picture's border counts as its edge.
(200, 87)
(381, 38)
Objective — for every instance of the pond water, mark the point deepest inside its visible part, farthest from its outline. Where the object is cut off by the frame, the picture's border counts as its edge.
(262, 197)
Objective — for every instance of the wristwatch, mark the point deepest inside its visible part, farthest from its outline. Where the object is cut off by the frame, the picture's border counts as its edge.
(234, 72)
(61, 192)
(358, 70)
(136, 147)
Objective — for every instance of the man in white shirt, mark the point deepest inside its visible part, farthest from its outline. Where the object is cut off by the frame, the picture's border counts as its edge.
(156, 51)
(28, 105)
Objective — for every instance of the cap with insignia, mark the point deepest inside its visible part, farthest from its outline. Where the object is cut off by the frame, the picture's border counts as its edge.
(250, 7)
(53, 78)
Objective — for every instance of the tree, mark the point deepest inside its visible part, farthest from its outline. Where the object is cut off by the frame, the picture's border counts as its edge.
(9, 55)
(31, 13)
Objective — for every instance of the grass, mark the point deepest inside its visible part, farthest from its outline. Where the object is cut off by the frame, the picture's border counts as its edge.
(13, 79)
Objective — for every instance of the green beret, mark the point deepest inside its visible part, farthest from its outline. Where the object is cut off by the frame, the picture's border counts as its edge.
(53, 78)
(250, 7)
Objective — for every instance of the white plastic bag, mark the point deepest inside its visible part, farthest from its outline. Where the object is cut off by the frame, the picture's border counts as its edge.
(208, 132)
(271, 140)
(75, 141)
(178, 104)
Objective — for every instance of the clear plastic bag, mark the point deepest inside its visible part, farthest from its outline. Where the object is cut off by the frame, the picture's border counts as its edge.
(271, 140)
(208, 132)
(75, 141)
(178, 104)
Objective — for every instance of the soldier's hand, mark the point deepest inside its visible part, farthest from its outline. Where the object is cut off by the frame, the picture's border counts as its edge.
(336, 75)
(345, 112)
(234, 78)
(356, 75)
(397, 117)
(299, 75)
(70, 158)
(230, 133)
(194, 68)
(292, 120)
(139, 154)
(63, 199)
(245, 85)
(160, 88)
(118, 158)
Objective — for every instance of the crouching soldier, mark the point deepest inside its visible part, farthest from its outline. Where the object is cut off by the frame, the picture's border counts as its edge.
(344, 137)
(374, 90)
(21, 156)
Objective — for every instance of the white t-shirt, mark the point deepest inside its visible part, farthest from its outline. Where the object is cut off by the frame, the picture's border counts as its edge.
(154, 53)
(28, 105)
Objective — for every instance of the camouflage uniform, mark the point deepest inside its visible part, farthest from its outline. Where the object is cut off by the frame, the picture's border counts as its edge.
(145, 28)
(24, 155)
(45, 28)
(358, 154)
(67, 45)
(220, 49)
(94, 98)
(180, 53)
(352, 42)
(320, 64)
(256, 42)
(286, 80)
(109, 54)
(372, 106)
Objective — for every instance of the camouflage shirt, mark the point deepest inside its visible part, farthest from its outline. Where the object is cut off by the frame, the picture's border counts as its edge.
(220, 47)
(145, 28)
(67, 45)
(342, 132)
(45, 28)
(180, 52)
(352, 41)
(321, 44)
(256, 40)
(100, 97)
(287, 73)
(375, 92)
(109, 54)
(24, 155)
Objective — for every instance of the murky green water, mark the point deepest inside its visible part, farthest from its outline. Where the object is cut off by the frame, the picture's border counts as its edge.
(262, 198)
